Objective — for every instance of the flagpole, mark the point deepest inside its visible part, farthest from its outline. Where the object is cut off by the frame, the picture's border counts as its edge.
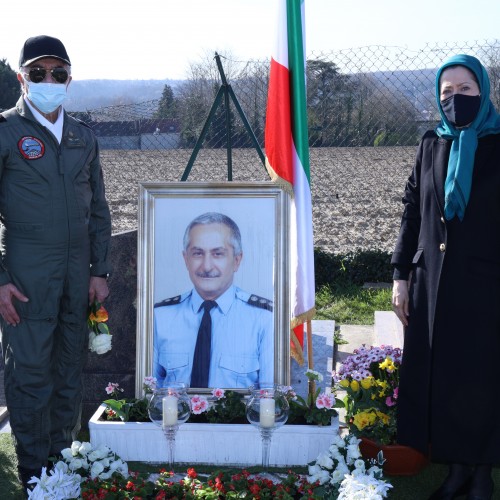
(310, 357)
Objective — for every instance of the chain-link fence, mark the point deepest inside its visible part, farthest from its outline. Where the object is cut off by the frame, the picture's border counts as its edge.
(367, 109)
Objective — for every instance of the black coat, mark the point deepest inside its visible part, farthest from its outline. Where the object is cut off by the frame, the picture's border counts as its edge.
(449, 390)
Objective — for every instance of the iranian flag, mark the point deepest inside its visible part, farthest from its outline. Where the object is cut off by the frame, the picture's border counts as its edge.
(287, 158)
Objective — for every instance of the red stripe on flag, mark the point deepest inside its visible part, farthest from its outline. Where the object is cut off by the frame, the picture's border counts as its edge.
(278, 133)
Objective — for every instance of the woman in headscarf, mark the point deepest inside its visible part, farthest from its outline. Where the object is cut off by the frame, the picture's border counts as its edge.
(447, 286)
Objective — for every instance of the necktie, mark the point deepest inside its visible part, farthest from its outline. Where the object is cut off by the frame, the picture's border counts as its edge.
(201, 360)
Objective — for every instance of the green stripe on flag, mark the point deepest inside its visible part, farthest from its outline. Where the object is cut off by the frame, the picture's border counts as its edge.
(298, 83)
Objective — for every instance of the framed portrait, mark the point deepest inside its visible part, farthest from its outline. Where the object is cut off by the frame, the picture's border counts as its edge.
(213, 304)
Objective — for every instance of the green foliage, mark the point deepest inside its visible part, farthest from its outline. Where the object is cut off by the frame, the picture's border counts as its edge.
(127, 410)
(9, 86)
(354, 268)
(351, 304)
(230, 408)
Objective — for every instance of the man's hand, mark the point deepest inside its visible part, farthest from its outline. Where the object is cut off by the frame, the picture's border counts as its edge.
(7, 309)
(400, 300)
(98, 289)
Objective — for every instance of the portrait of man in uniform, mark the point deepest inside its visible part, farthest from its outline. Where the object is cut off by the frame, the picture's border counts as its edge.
(213, 308)
(216, 334)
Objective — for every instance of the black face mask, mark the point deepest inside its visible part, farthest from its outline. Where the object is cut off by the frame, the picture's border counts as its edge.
(461, 109)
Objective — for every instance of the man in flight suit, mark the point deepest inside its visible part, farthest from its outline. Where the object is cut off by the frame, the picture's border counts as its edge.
(242, 335)
(55, 255)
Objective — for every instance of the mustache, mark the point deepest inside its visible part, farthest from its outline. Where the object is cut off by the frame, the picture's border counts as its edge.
(201, 274)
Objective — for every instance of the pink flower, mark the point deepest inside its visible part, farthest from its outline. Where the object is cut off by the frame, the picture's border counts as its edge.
(389, 401)
(150, 382)
(113, 387)
(218, 393)
(395, 393)
(325, 400)
(199, 404)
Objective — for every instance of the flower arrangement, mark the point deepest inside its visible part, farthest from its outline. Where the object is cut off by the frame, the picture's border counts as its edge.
(317, 408)
(341, 472)
(370, 378)
(99, 336)
(224, 406)
(79, 463)
(129, 410)
(218, 485)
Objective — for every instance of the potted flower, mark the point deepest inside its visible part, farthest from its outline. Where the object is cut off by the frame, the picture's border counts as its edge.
(370, 379)
(124, 425)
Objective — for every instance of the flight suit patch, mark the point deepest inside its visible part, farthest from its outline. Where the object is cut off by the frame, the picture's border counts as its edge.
(31, 148)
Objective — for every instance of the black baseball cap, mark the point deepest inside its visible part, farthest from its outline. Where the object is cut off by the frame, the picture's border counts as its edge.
(38, 47)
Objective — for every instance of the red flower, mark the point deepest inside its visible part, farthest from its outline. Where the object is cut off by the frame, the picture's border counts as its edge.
(192, 473)
(254, 489)
(130, 486)
(160, 495)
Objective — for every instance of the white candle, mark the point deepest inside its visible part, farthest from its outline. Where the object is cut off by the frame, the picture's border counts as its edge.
(169, 410)
(267, 407)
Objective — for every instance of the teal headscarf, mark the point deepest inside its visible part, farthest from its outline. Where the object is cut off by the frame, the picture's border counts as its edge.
(463, 148)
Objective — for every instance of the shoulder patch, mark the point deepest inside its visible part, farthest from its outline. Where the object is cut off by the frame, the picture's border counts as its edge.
(260, 302)
(172, 301)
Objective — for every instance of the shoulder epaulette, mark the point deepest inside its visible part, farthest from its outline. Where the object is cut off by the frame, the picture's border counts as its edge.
(172, 301)
(260, 302)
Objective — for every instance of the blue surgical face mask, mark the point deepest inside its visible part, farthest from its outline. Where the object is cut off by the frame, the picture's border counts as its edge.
(47, 97)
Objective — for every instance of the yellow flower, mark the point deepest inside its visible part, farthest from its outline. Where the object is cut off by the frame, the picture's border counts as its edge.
(383, 385)
(363, 419)
(355, 385)
(382, 416)
(344, 383)
(367, 382)
(387, 364)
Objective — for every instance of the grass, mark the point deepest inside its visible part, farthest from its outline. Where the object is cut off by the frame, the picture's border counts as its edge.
(351, 304)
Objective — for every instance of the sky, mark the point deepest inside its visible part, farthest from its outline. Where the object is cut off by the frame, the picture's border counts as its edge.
(158, 39)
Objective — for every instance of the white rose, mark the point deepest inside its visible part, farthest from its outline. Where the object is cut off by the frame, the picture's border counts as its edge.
(353, 452)
(85, 448)
(67, 454)
(93, 456)
(62, 466)
(76, 464)
(337, 476)
(96, 469)
(100, 343)
(325, 461)
(359, 464)
(123, 469)
(323, 477)
(105, 461)
(75, 446)
(314, 470)
(105, 475)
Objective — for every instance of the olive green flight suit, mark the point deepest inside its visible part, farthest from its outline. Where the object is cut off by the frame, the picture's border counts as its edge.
(56, 233)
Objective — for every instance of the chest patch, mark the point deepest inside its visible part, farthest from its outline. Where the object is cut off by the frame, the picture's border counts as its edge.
(30, 147)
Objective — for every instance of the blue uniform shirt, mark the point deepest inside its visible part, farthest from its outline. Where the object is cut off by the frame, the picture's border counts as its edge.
(242, 351)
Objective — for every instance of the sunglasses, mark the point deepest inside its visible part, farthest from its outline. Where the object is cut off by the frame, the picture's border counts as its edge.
(37, 75)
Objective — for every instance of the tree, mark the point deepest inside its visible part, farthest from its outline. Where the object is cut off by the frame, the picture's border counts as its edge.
(168, 106)
(9, 86)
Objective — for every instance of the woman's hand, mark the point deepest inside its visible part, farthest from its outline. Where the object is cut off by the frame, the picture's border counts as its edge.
(400, 300)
